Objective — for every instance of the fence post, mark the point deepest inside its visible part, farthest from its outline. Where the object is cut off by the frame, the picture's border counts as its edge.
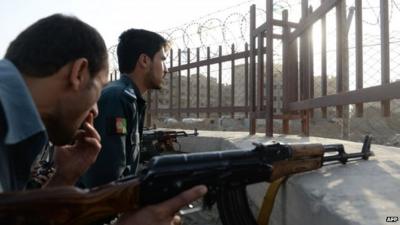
(342, 57)
(198, 83)
(359, 54)
(252, 119)
(323, 62)
(233, 81)
(260, 72)
(304, 80)
(220, 82)
(385, 53)
(208, 83)
(339, 38)
(246, 80)
(188, 84)
(270, 71)
(171, 82)
(285, 71)
(310, 69)
(179, 84)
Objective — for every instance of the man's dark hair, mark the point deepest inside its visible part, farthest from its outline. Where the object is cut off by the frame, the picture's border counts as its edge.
(133, 43)
(52, 42)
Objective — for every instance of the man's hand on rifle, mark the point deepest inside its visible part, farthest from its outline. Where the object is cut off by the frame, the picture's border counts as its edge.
(164, 213)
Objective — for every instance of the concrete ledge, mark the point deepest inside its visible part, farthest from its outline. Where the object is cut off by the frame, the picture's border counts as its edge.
(362, 192)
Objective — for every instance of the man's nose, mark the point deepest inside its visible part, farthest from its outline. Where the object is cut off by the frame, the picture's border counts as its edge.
(166, 70)
(95, 110)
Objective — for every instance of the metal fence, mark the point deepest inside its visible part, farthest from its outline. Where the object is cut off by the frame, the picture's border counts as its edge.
(343, 96)
(287, 72)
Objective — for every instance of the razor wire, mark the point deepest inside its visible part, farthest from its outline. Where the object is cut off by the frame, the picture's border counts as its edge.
(231, 26)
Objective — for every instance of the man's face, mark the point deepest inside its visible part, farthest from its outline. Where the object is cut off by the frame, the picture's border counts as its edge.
(74, 108)
(158, 70)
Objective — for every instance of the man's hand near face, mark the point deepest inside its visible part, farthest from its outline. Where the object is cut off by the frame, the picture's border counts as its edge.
(72, 161)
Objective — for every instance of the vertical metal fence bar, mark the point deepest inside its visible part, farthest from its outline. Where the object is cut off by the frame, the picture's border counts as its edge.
(260, 72)
(171, 81)
(340, 16)
(269, 106)
(188, 83)
(294, 71)
(324, 81)
(359, 54)
(179, 84)
(246, 81)
(343, 57)
(233, 81)
(252, 122)
(385, 53)
(208, 83)
(304, 80)
(220, 82)
(198, 82)
(310, 62)
(293, 78)
(345, 66)
(303, 54)
(285, 70)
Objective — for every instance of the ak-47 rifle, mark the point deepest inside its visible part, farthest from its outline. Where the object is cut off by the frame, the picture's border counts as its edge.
(225, 173)
(157, 142)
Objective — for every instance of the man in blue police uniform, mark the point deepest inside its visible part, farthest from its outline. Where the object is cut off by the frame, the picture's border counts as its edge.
(50, 80)
(141, 59)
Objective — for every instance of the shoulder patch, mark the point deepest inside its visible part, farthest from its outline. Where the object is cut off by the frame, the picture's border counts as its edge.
(130, 93)
(117, 125)
(120, 125)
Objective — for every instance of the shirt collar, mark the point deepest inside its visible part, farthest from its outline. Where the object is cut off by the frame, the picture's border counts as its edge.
(21, 115)
(139, 96)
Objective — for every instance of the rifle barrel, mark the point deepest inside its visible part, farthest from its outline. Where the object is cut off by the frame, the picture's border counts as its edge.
(343, 157)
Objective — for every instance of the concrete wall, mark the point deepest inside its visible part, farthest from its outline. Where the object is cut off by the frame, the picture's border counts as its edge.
(361, 192)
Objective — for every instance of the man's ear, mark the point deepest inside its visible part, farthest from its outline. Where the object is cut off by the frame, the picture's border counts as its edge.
(79, 73)
(144, 61)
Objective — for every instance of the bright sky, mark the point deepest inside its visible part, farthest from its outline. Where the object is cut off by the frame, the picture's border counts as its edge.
(109, 17)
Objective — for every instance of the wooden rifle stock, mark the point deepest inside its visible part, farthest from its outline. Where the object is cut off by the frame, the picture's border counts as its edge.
(68, 205)
(305, 157)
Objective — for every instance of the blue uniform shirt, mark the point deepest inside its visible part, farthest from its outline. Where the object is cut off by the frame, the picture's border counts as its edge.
(120, 125)
(22, 133)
